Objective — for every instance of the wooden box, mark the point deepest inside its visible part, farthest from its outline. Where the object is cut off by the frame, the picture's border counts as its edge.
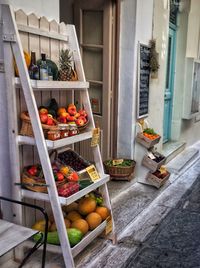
(151, 163)
(147, 143)
(155, 181)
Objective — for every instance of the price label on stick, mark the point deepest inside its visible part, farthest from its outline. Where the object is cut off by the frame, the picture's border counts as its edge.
(117, 162)
(95, 137)
(92, 172)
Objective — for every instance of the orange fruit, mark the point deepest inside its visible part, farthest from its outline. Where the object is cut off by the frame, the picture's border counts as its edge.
(86, 205)
(73, 215)
(103, 212)
(93, 219)
(61, 110)
(54, 228)
(81, 225)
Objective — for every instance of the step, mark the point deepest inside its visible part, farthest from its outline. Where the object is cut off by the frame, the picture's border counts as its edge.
(182, 160)
(172, 149)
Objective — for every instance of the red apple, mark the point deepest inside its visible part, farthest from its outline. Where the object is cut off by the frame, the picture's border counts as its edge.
(43, 111)
(71, 109)
(70, 118)
(82, 112)
(62, 119)
(77, 115)
(83, 118)
(64, 114)
(50, 121)
(80, 122)
(61, 110)
(43, 118)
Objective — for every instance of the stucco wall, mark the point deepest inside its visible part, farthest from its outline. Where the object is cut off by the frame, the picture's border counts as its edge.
(49, 9)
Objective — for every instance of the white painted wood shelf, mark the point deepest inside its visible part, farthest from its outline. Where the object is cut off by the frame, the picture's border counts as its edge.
(39, 85)
(70, 199)
(58, 143)
(90, 236)
(44, 38)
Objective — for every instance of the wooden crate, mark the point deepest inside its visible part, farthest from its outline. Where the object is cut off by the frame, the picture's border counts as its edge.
(147, 143)
(151, 164)
(155, 181)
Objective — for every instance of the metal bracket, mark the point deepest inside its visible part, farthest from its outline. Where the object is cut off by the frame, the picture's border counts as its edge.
(2, 69)
(9, 38)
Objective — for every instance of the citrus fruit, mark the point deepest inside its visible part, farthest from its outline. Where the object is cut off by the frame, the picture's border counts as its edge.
(81, 225)
(93, 219)
(103, 212)
(86, 205)
(40, 225)
(73, 215)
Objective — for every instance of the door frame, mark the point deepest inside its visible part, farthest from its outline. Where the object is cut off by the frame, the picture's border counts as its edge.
(111, 53)
(172, 32)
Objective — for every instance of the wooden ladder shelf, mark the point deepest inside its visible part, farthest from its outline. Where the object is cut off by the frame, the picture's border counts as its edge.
(12, 46)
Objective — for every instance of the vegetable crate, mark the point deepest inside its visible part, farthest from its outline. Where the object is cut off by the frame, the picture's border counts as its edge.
(120, 169)
(151, 163)
(147, 143)
(156, 181)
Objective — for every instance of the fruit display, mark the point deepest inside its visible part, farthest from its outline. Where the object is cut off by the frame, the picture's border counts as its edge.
(80, 217)
(120, 168)
(161, 173)
(150, 133)
(157, 157)
(73, 159)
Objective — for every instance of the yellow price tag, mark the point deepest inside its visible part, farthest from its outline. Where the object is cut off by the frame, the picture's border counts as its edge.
(95, 137)
(92, 172)
(162, 169)
(108, 225)
(117, 162)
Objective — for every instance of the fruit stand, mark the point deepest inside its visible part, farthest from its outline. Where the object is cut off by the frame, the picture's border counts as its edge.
(43, 118)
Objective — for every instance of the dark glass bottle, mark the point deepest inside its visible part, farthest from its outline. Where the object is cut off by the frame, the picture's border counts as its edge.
(33, 68)
(44, 68)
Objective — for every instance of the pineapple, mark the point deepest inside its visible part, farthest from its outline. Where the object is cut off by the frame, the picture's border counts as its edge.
(66, 72)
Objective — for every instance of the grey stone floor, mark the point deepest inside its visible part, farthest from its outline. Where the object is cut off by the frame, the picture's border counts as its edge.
(139, 211)
(176, 241)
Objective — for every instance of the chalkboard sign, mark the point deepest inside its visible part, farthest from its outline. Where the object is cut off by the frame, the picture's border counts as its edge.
(143, 80)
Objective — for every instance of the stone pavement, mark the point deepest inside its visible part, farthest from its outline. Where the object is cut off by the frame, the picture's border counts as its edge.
(176, 241)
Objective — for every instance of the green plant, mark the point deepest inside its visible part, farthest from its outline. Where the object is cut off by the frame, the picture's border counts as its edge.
(154, 65)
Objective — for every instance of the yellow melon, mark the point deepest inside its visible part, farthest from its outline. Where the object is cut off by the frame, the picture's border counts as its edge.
(86, 205)
(81, 225)
(73, 215)
(103, 212)
(93, 219)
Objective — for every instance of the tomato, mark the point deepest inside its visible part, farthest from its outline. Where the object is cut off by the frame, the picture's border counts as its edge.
(59, 176)
(33, 170)
(73, 177)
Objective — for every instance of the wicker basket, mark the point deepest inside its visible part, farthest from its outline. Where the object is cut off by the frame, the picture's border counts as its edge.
(120, 171)
(81, 128)
(27, 130)
(37, 184)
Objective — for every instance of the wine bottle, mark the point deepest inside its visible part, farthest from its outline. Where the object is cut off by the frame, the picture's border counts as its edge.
(33, 68)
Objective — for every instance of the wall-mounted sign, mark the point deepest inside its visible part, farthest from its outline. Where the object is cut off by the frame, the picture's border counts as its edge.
(143, 80)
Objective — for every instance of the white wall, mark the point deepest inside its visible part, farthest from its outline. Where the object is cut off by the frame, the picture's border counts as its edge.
(49, 9)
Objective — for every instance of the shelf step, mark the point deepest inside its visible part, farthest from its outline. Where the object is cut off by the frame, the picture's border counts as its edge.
(53, 85)
(56, 144)
(70, 199)
(90, 236)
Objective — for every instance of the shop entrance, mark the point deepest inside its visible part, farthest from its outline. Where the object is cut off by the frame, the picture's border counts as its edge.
(95, 22)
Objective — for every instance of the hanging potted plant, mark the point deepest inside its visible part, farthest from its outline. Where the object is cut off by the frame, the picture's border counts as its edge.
(154, 64)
